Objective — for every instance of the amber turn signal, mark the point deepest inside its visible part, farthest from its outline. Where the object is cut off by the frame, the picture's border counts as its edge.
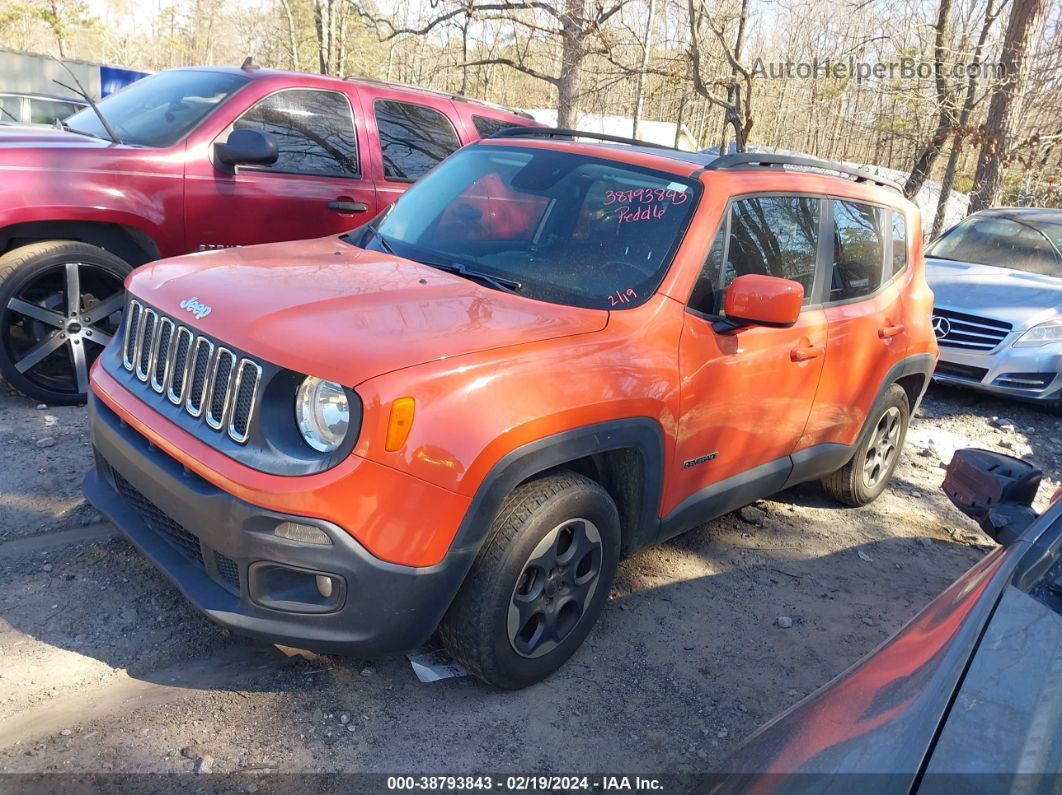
(399, 424)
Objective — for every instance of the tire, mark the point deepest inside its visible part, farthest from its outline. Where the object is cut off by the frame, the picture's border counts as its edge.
(866, 475)
(48, 344)
(562, 522)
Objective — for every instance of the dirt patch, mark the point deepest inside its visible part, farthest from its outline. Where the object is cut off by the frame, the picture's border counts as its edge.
(104, 667)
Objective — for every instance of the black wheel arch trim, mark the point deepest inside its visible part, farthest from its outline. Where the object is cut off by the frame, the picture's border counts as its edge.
(640, 433)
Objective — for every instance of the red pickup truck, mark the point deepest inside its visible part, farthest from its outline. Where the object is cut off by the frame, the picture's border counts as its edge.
(190, 160)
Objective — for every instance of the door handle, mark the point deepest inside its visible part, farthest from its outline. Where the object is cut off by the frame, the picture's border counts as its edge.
(890, 331)
(805, 354)
(348, 208)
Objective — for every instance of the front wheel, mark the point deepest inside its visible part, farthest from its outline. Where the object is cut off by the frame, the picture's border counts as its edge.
(60, 304)
(862, 479)
(539, 582)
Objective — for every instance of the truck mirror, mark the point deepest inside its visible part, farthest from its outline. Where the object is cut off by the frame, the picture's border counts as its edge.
(995, 490)
(247, 148)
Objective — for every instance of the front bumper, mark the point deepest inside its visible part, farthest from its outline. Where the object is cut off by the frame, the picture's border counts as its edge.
(1026, 373)
(222, 554)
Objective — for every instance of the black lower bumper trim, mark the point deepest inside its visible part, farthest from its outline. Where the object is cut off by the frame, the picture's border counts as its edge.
(205, 540)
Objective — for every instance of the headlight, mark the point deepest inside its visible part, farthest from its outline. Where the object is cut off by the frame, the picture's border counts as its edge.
(1044, 334)
(323, 413)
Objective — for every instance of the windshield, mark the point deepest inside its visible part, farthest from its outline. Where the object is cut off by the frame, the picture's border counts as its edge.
(159, 110)
(1026, 245)
(552, 226)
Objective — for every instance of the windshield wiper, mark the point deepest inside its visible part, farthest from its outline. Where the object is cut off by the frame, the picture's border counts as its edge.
(81, 92)
(498, 282)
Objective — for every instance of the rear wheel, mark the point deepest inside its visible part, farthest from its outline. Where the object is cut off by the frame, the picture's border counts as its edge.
(539, 582)
(60, 303)
(862, 479)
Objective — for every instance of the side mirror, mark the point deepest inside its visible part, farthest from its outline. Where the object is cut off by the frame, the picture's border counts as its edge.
(247, 148)
(757, 300)
(995, 490)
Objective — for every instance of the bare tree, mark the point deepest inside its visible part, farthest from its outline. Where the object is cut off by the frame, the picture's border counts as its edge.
(1025, 16)
(639, 91)
(736, 103)
(992, 13)
(945, 103)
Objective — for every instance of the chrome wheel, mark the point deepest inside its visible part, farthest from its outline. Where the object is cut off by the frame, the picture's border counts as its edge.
(56, 325)
(555, 587)
(883, 449)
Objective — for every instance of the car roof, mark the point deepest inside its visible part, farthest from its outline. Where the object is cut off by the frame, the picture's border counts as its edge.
(1023, 213)
(678, 161)
(261, 73)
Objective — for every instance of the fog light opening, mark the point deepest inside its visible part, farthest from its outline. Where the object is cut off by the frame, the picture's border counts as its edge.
(303, 533)
(324, 586)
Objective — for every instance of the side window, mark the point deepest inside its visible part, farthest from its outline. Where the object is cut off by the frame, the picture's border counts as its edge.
(10, 108)
(314, 131)
(858, 250)
(487, 127)
(899, 243)
(775, 236)
(770, 235)
(413, 138)
(706, 296)
(46, 111)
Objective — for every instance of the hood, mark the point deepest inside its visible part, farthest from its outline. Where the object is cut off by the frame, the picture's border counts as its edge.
(325, 308)
(1022, 299)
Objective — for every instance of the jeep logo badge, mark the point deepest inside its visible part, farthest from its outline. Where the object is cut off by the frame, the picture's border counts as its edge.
(194, 306)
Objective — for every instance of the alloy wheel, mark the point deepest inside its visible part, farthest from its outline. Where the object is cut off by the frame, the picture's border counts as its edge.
(555, 587)
(59, 322)
(883, 448)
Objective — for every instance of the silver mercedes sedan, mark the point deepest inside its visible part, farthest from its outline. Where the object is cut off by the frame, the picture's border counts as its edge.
(997, 278)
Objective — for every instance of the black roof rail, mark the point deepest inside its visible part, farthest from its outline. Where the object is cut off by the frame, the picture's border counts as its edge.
(740, 160)
(558, 132)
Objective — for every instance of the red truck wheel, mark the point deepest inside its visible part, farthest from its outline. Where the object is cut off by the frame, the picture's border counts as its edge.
(60, 304)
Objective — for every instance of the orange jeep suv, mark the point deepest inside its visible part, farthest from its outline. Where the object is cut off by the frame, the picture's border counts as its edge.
(549, 354)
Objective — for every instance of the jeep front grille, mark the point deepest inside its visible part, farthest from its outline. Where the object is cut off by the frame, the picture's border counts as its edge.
(208, 380)
(968, 332)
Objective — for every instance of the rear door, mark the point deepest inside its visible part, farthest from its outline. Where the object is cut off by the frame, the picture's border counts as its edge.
(746, 395)
(317, 186)
(411, 133)
(862, 300)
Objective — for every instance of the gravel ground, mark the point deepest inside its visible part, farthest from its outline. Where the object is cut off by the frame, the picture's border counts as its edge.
(105, 668)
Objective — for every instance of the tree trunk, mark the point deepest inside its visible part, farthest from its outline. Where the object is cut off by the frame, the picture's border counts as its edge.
(964, 119)
(571, 62)
(1025, 16)
(946, 113)
(639, 93)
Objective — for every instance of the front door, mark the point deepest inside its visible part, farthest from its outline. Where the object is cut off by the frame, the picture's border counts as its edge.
(316, 187)
(746, 395)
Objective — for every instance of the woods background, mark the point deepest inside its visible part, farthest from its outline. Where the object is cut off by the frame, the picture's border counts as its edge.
(982, 111)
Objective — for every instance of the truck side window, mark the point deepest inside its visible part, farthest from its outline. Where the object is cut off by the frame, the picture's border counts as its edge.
(858, 250)
(413, 138)
(899, 243)
(314, 131)
(774, 236)
(486, 127)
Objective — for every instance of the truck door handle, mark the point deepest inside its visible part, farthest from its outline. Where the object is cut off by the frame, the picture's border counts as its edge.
(890, 331)
(348, 208)
(804, 354)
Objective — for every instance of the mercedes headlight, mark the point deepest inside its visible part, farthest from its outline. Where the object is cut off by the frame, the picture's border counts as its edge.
(1044, 334)
(323, 413)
